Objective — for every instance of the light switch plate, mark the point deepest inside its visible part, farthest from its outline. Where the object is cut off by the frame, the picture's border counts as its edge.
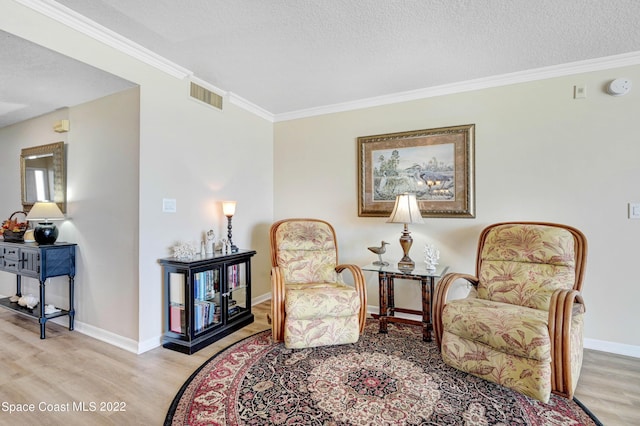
(168, 205)
(634, 210)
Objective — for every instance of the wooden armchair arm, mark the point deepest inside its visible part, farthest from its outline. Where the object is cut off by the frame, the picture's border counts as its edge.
(277, 304)
(361, 287)
(440, 299)
(565, 303)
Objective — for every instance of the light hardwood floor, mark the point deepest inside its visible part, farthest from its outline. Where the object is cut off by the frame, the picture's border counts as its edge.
(70, 368)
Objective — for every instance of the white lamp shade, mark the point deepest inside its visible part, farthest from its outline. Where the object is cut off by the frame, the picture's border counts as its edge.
(406, 210)
(45, 210)
(229, 208)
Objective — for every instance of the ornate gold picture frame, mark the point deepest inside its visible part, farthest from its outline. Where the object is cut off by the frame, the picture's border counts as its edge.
(435, 164)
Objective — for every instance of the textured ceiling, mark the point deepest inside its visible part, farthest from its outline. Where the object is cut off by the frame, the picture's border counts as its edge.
(291, 55)
(35, 81)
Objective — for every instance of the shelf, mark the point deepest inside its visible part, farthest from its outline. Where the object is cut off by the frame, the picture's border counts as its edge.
(240, 287)
(214, 293)
(176, 342)
(33, 313)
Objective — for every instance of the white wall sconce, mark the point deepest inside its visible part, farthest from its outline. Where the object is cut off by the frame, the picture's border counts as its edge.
(61, 126)
(619, 87)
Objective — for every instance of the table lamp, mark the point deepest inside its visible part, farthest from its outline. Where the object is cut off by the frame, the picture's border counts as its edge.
(406, 211)
(229, 209)
(44, 212)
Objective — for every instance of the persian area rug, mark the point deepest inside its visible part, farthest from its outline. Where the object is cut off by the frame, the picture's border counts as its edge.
(384, 379)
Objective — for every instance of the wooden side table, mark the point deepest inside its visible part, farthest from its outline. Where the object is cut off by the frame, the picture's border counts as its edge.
(386, 283)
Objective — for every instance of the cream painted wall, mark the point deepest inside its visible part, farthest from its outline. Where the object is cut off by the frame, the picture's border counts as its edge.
(102, 181)
(187, 151)
(13, 139)
(540, 155)
(210, 157)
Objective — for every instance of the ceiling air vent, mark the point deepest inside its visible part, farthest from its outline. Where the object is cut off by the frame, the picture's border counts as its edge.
(206, 96)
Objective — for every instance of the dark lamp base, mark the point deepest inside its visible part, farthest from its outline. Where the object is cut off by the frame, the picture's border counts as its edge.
(45, 233)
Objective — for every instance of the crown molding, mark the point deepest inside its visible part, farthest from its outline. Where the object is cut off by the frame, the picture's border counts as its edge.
(250, 107)
(80, 23)
(86, 26)
(598, 64)
(235, 99)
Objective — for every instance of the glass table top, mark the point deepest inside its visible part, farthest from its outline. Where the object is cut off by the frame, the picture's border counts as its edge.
(419, 270)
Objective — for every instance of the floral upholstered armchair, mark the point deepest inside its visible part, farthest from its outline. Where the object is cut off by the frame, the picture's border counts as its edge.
(311, 305)
(521, 325)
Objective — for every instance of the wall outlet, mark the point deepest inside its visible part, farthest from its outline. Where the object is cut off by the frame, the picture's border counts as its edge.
(634, 210)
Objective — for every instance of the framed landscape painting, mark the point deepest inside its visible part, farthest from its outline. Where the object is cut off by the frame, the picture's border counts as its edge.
(435, 164)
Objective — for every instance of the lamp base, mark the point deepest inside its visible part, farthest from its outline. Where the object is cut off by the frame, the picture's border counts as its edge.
(45, 233)
(406, 241)
(406, 264)
(234, 248)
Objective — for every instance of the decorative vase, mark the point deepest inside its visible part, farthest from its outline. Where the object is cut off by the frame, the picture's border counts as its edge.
(211, 242)
(45, 233)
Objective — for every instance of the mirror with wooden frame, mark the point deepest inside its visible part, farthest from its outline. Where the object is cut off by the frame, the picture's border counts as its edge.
(43, 175)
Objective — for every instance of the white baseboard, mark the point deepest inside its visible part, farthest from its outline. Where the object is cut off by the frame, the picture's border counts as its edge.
(125, 343)
(149, 344)
(260, 299)
(114, 339)
(612, 347)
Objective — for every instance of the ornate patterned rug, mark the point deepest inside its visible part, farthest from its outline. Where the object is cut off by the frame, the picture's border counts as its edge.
(384, 379)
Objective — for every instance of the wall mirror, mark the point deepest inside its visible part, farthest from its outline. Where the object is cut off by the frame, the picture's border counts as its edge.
(43, 175)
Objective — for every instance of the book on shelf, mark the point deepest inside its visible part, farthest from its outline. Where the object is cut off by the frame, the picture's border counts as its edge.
(235, 278)
(205, 284)
(177, 320)
(205, 313)
(233, 310)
